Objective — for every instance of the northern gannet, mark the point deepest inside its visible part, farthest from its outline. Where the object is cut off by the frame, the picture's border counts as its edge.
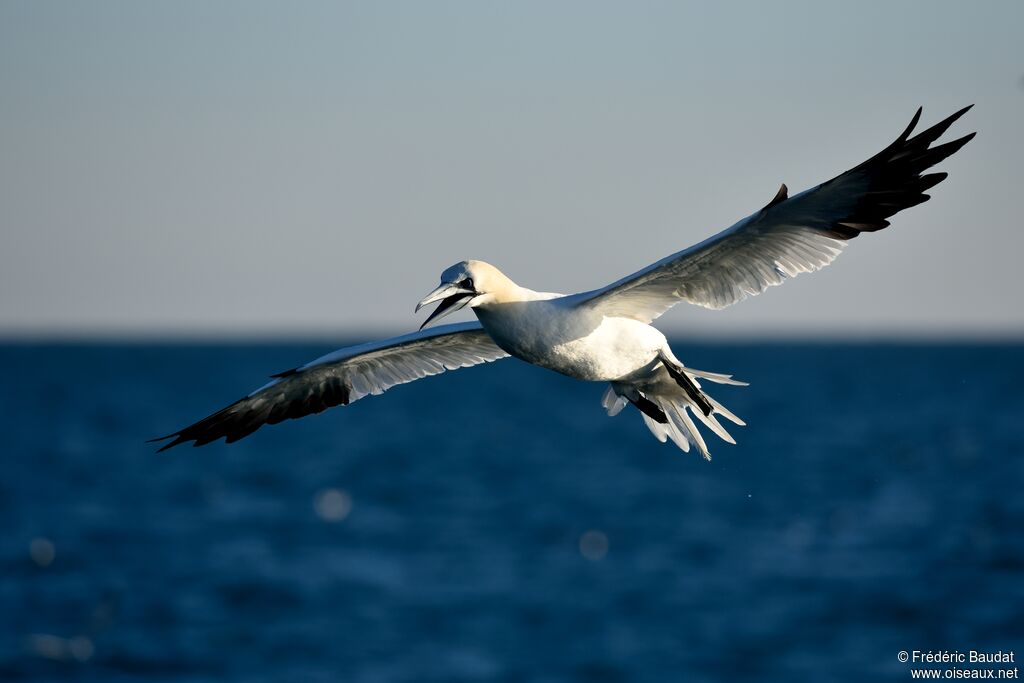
(605, 335)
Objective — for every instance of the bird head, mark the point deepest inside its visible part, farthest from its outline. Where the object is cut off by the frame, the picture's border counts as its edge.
(467, 283)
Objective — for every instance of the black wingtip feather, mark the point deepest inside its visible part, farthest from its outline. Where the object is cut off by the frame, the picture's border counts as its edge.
(960, 113)
(177, 440)
(171, 444)
(910, 128)
(927, 137)
(930, 180)
(295, 396)
(894, 177)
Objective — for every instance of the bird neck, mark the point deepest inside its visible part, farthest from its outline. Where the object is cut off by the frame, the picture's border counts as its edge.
(509, 292)
(513, 293)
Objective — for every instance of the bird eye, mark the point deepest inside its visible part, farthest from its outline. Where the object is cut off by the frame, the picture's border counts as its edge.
(468, 284)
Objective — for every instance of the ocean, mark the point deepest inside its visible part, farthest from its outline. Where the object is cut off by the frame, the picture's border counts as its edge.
(493, 524)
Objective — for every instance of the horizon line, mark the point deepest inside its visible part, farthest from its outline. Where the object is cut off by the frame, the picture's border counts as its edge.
(370, 332)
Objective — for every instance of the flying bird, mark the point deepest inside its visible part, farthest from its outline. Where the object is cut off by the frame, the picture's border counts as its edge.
(605, 335)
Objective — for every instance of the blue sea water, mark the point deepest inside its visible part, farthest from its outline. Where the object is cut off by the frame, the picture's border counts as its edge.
(494, 525)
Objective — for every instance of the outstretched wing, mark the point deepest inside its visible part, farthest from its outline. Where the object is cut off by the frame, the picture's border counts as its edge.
(789, 236)
(344, 376)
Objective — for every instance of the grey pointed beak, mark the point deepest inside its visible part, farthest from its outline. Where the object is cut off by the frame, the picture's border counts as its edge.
(452, 298)
(445, 290)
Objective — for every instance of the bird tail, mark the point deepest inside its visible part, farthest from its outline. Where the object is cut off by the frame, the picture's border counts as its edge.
(669, 411)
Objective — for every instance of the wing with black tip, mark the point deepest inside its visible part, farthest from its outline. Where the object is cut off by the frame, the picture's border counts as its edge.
(789, 236)
(342, 377)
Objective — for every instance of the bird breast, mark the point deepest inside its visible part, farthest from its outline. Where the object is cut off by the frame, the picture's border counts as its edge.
(573, 341)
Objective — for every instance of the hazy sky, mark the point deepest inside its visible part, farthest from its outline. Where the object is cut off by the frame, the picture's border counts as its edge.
(209, 167)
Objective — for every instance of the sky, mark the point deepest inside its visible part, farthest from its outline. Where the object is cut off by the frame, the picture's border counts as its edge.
(265, 169)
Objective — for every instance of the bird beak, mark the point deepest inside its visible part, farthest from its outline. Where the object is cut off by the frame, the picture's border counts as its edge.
(452, 298)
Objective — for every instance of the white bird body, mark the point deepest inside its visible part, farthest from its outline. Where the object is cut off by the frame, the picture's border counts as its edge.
(550, 331)
(605, 335)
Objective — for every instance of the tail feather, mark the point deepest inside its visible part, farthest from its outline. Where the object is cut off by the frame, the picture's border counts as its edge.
(675, 405)
(684, 423)
(712, 423)
(612, 402)
(678, 436)
(659, 430)
(726, 413)
(716, 377)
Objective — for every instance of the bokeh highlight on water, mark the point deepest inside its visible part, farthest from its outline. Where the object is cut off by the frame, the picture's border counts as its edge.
(494, 525)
